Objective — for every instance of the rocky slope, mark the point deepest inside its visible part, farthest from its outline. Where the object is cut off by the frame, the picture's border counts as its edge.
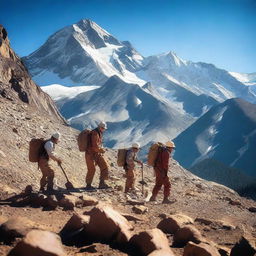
(217, 216)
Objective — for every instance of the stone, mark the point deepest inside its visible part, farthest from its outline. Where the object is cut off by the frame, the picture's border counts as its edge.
(150, 241)
(252, 209)
(51, 202)
(161, 253)
(85, 200)
(38, 242)
(68, 202)
(245, 246)
(204, 221)
(102, 223)
(139, 209)
(135, 202)
(202, 249)
(106, 224)
(173, 223)
(130, 217)
(186, 234)
(15, 227)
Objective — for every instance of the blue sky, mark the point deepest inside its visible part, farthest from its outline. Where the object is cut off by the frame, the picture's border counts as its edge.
(222, 32)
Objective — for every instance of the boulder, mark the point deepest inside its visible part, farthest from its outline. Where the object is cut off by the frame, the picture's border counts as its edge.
(73, 227)
(131, 217)
(186, 234)
(161, 253)
(202, 249)
(15, 227)
(135, 202)
(106, 224)
(150, 241)
(139, 209)
(245, 246)
(102, 223)
(173, 223)
(38, 242)
(68, 202)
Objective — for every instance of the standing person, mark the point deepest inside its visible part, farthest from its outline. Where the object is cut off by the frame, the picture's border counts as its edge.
(94, 156)
(131, 158)
(46, 153)
(161, 171)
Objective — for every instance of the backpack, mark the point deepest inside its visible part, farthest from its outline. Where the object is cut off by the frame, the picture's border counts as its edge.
(35, 148)
(121, 157)
(153, 152)
(83, 140)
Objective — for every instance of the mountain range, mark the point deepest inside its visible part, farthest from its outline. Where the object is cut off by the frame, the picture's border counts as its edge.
(93, 76)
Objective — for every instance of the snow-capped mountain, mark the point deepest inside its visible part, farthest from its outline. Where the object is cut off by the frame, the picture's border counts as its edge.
(83, 54)
(227, 133)
(133, 113)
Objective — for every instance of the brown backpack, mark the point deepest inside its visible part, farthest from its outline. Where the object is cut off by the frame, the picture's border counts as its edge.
(83, 140)
(121, 157)
(35, 148)
(153, 152)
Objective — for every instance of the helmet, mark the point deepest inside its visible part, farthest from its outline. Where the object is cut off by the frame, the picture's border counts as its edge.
(102, 125)
(170, 144)
(56, 135)
(136, 145)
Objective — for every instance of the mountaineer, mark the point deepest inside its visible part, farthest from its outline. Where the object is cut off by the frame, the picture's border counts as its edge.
(94, 155)
(46, 152)
(130, 160)
(161, 166)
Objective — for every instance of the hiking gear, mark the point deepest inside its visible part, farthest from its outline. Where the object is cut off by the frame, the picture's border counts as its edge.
(168, 201)
(96, 139)
(130, 180)
(93, 159)
(68, 184)
(161, 180)
(89, 187)
(84, 140)
(121, 157)
(152, 199)
(136, 145)
(47, 172)
(153, 152)
(170, 144)
(162, 160)
(103, 185)
(35, 148)
(56, 135)
(103, 125)
(142, 182)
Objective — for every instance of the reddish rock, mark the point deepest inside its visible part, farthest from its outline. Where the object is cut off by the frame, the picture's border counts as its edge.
(201, 249)
(38, 242)
(245, 246)
(139, 209)
(15, 227)
(161, 253)
(173, 223)
(106, 224)
(252, 209)
(150, 241)
(186, 234)
(75, 223)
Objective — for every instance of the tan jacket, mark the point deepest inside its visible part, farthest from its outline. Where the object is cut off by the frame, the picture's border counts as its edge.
(96, 141)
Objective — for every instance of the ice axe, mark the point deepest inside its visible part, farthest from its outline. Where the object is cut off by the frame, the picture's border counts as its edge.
(142, 182)
(68, 184)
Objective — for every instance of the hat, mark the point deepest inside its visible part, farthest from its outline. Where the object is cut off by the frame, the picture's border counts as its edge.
(102, 125)
(136, 145)
(170, 144)
(56, 135)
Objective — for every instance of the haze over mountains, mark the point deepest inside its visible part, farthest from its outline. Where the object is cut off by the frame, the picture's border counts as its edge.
(93, 76)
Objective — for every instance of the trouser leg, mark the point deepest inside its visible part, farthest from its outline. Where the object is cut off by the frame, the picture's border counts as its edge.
(130, 180)
(101, 162)
(167, 187)
(90, 168)
(158, 184)
(47, 172)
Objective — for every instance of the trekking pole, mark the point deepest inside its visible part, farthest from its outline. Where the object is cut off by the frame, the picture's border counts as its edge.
(142, 182)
